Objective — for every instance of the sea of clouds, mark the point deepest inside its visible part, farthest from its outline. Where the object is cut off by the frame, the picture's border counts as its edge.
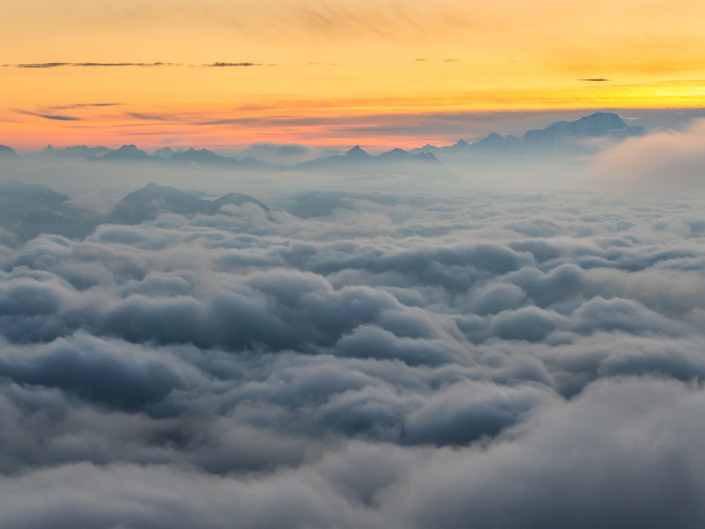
(445, 358)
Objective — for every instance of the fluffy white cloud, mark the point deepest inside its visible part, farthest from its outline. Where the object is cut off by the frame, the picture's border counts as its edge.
(669, 160)
(465, 360)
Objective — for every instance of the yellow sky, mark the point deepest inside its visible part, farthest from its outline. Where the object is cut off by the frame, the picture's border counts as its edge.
(329, 72)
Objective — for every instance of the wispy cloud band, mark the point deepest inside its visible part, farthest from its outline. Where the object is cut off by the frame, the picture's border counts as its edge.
(44, 65)
(55, 117)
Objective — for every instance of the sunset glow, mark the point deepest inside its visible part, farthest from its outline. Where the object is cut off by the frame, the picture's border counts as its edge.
(224, 73)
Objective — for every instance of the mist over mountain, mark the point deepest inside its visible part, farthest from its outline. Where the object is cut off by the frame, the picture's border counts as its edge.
(7, 152)
(126, 153)
(31, 209)
(165, 152)
(587, 135)
(356, 159)
(200, 156)
(189, 346)
(569, 137)
(153, 200)
(77, 152)
(18, 199)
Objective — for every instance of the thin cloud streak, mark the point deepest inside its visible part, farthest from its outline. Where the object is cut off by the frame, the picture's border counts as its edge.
(154, 116)
(54, 117)
(231, 64)
(93, 64)
(84, 105)
(49, 65)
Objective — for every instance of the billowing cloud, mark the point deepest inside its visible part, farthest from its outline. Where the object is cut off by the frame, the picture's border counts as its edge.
(426, 356)
(663, 160)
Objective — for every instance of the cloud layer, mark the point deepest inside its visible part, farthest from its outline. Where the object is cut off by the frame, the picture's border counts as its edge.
(663, 160)
(361, 360)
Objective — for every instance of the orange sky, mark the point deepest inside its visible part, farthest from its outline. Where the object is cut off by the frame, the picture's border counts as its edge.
(374, 72)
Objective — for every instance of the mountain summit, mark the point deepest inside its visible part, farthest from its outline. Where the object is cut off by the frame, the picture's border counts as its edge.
(592, 126)
(568, 136)
(125, 153)
(8, 152)
(357, 152)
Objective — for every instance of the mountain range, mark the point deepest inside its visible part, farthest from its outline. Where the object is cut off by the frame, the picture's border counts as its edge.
(560, 137)
(30, 209)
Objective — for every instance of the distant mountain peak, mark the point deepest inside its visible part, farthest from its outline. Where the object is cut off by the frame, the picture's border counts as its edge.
(559, 136)
(204, 156)
(596, 124)
(129, 148)
(396, 152)
(7, 151)
(126, 152)
(164, 152)
(357, 151)
(153, 199)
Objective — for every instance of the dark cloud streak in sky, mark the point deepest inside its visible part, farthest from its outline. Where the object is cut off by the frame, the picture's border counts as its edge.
(44, 65)
(56, 117)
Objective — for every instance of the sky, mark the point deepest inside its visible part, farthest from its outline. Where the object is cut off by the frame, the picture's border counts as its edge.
(510, 337)
(218, 73)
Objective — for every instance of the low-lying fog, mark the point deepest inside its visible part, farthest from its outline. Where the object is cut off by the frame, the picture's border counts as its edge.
(509, 345)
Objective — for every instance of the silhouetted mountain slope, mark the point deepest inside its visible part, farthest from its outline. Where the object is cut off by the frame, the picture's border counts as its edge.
(597, 124)
(125, 153)
(201, 156)
(569, 136)
(40, 221)
(236, 199)
(357, 159)
(77, 152)
(8, 152)
(29, 210)
(17, 200)
(164, 153)
(152, 200)
(581, 136)
(358, 153)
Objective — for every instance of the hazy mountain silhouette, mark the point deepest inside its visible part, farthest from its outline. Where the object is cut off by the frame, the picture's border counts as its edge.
(125, 153)
(561, 135)
(358, 153)
(40, 221)
(17, 200)
(164, 153)
(358, 159)
(568, 137)
(201, 156)
(597, 124)
(79, 152)
(8, 152)
(400, 155)
(236, 199)
(29, 210)
(152, 200)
